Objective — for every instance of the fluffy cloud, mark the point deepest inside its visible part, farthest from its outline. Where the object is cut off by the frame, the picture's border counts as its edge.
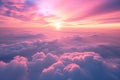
(20, 68)
(72, 57)
(38, 63)
(14, 70)
(81, 66)
(69, 66)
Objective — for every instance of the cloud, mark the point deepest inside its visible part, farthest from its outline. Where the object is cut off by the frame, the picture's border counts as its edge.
(76, 56)
(16, 69)
(18, 35)
(38, 63)
(17, 10)
(80, 66)
(106, 44)
(96, 9)
(69, 66)
(20, 68)
(41, 12)
(109, 5)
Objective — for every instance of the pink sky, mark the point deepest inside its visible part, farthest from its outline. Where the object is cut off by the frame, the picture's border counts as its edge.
(60, 13)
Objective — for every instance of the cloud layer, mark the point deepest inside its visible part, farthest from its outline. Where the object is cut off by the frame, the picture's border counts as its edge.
(69, 66)
(29, 54)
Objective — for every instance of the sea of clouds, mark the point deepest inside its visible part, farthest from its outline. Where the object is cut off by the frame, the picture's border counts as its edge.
(74, 56)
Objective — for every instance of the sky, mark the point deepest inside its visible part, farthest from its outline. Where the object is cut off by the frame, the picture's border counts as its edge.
(60, 13)
(59, 39)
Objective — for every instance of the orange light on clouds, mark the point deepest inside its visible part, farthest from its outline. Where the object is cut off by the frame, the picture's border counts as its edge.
(50, 13)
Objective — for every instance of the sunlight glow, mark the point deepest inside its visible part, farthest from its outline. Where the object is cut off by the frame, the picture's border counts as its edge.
(58, 26)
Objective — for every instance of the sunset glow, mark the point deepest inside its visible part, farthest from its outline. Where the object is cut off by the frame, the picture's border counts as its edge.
(59, 39)
(79, 13)
(58, 25)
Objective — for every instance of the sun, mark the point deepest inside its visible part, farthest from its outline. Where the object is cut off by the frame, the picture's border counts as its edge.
(58, 26)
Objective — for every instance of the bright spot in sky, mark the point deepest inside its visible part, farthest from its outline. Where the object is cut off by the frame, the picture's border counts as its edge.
(57, 25)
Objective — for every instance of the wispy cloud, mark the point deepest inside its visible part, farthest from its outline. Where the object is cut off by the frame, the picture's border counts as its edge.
(47, 12)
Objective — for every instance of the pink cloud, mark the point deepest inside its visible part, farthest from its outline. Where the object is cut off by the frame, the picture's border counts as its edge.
(47, 12)
(19, 60)
(71, 67)
(72, 64)
(39, 56)
(15, 69)
(76, 65)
